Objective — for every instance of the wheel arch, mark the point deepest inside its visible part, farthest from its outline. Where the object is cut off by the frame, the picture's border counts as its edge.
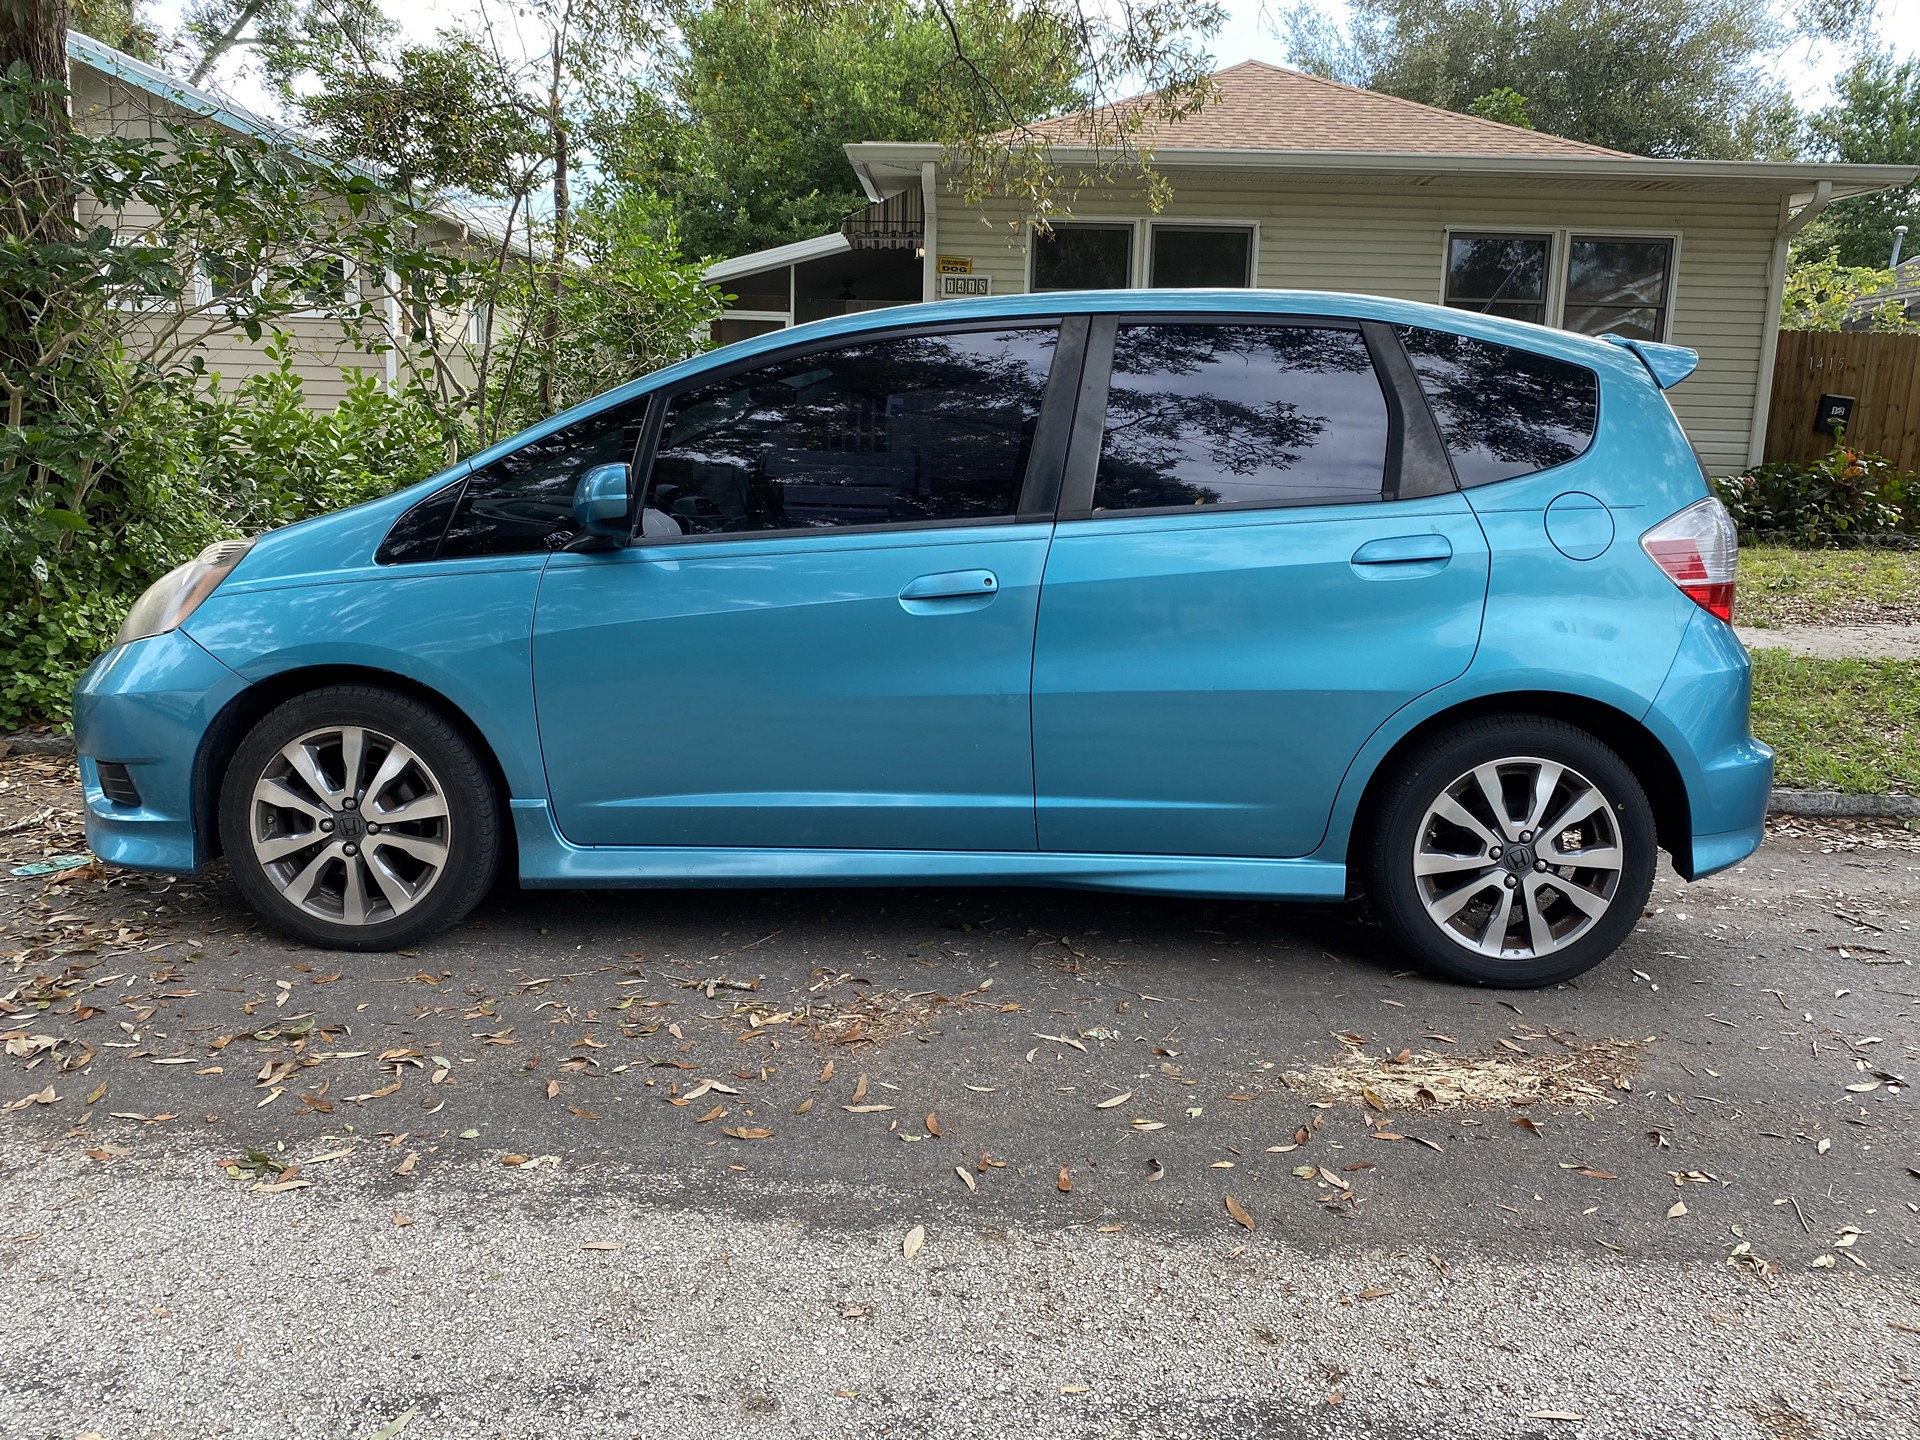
(1626, 736)
(222, 738)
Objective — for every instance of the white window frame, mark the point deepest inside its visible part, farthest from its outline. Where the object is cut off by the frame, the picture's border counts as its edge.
(1250, 227)
(1140, 258)
(203, 290)
(1559, 257)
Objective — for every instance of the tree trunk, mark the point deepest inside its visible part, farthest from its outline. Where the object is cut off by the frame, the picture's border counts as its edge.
(242, 18)
(36, 207)
(562, 216)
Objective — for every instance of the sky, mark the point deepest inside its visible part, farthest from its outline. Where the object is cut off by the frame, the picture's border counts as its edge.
(1246, 35)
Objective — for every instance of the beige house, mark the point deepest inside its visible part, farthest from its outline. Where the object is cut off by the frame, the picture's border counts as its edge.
(113, 93)
(1286, 181)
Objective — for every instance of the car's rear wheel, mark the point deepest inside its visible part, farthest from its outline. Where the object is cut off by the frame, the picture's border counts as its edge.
(1512, 851)
(358, 819)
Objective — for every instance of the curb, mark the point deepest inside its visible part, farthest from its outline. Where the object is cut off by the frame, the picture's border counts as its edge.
(1814, 804)
(37, 742)
(1839, 805)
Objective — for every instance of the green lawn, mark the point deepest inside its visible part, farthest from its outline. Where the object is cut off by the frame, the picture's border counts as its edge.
(1781, 586)
(1839, 724)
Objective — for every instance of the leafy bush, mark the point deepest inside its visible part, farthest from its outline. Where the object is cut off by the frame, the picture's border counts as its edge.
(1846, 495)
(194, 463)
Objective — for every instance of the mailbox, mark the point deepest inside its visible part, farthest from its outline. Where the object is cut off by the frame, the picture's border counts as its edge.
(1833, 414)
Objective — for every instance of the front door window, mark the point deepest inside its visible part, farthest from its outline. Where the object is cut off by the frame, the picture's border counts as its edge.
(893, 430)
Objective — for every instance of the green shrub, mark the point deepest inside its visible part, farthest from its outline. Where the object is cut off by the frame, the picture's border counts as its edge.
(194, 462)
(1846, 495)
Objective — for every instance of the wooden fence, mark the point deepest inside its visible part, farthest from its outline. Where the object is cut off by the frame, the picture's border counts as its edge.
(1880, 372)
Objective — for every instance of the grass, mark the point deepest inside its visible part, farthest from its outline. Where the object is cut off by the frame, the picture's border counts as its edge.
(1839, 724)
(1783, 586)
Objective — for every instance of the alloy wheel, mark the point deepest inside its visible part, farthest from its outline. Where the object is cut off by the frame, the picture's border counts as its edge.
(1518, 858)
(350, 825)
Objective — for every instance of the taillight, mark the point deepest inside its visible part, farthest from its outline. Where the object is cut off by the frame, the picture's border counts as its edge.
(1699, 550)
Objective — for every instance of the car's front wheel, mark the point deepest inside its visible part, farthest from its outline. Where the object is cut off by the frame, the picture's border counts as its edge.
(356, 818)
(1512, 851)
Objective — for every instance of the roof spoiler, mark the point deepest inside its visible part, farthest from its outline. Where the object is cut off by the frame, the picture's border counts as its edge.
(1668, 364)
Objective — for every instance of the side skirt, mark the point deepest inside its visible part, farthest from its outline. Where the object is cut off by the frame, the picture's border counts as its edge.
(548, 861)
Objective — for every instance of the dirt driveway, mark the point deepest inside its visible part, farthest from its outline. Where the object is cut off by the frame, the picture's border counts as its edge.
(954, 1162)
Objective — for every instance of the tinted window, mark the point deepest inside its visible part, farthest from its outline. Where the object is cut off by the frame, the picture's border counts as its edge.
(416, 534)
(524, 501)
(1083, 257)
(891, 430)
(1223, 414)
(1503, 411)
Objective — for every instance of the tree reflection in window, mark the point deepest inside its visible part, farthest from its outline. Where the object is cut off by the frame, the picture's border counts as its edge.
(892, 430)
(1503, 411)
(1235, 414)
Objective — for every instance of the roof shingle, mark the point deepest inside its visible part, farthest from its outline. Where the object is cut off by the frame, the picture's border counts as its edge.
(1257, 106)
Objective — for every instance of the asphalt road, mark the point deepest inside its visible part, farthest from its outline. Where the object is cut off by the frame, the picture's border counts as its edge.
(646, 1164)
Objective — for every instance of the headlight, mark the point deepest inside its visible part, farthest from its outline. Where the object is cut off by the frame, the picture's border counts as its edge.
(178, 593)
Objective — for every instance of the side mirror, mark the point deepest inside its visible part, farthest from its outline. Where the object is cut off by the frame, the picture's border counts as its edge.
(600, 501)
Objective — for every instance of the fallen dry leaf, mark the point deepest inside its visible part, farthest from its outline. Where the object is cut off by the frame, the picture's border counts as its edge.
(916, 1237)
(966, 1178)
(747, 1132)
(1678, 1209)
(714, 1114)
(933, 1125)
(1065, 1182)
(1119, 1099)
(1239, 1212)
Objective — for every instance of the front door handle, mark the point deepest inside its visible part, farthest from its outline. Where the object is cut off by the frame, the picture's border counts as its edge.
(953, 585)
(1404, 550)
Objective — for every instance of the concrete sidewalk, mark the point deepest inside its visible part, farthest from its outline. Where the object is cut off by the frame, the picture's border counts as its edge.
(1838, 642)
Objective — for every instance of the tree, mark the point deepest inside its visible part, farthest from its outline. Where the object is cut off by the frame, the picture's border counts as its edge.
(1874, 119)
(118, 23)
(1684, 78)
(744, 147)
(1829, 295)
(284, 33)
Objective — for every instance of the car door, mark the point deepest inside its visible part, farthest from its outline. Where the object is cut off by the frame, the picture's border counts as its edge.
(1261, 556)
(823, 636)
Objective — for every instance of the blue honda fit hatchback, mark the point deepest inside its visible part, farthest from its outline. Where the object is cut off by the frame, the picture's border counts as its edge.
(1235, 593)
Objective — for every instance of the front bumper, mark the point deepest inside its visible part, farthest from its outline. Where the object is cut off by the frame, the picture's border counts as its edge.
(146, 705)
(1702, 716)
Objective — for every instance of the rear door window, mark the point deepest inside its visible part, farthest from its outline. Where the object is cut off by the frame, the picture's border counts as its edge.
(1503, 411)
(1210, 413)
(898, 429)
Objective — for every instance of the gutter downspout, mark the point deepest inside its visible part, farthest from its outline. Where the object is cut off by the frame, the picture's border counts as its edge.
(1791, 224)
(929, 189)
(393, 333)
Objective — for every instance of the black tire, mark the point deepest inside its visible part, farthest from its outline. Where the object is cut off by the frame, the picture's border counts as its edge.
(442, 772)
(1404, 830)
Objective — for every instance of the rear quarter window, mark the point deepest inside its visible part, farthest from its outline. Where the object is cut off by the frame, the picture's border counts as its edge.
(1503, 411)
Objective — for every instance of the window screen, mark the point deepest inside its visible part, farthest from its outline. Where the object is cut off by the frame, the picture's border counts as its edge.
(1202, 255)
(891, 430)
(524, 501)
(1499, 275)
(1226, 414)
(1619, 286)
(1503, 411)
(1083, 257)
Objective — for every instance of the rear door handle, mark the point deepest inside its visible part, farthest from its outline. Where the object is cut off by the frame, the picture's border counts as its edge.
(953, 585)
(1404, 550)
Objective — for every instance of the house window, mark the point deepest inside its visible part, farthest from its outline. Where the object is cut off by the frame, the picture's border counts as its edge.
(1618, 285)
(1500, 275)
(227, 275)
(1083, 257)
(1210, 256)
(328, 284)
(480, 325)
